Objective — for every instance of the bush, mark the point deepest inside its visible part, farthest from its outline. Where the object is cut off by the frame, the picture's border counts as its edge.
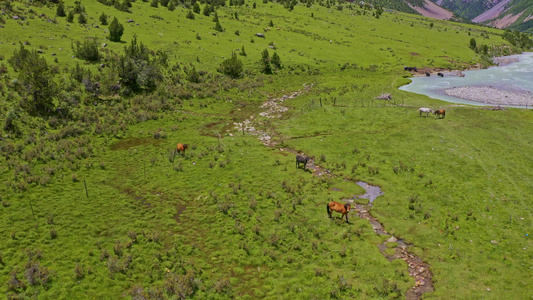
(232, 67)
(88, 50)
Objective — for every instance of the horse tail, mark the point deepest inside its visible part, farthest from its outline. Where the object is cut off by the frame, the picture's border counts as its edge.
(329, 211)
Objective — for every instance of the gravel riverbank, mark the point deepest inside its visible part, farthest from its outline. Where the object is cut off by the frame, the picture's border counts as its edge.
(491, 95)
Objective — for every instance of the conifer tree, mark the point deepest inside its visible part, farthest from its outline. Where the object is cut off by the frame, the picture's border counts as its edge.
(116, 30)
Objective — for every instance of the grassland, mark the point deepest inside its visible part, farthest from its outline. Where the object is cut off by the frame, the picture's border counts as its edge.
(99, 206)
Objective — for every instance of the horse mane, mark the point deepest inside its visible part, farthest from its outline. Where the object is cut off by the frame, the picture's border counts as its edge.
(346, 206)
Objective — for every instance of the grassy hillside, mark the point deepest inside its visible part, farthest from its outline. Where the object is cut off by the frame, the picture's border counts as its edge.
(97, 204)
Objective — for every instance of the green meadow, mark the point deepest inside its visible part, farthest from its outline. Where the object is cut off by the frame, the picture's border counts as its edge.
(96, 204)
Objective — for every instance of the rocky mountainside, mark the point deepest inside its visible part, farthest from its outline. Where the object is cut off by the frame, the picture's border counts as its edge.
(512, 14)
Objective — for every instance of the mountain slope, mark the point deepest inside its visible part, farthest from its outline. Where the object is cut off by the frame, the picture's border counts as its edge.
(512, 14)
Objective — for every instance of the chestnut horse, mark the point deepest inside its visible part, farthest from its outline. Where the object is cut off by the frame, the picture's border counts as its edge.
(340, 208)
(440, 113)
(181, 148)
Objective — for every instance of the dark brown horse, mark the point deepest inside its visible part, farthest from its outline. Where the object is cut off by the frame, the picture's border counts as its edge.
(300, 159)
(440, 113)
(181, 148)
(340, 208)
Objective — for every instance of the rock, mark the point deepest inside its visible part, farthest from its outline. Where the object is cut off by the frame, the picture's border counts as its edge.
(392, 239)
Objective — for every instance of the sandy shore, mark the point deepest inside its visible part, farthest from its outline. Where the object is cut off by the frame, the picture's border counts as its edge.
(491, 95)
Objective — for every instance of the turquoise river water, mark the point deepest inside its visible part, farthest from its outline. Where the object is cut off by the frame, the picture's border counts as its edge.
(516, 76)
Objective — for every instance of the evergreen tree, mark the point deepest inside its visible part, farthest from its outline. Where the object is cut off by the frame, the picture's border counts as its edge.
(207, 10)
(196, 7)
(116, 30)
(154, 3)
(190, 15)
(215, 17)
(218, 27)
(242, 53)
(171, 6)
(193, 76)
(275, 60)
(37, 85)
(60, 12)
(103, 19)
(82, 19)
(473, 43)
(265, 63)
(70, 17)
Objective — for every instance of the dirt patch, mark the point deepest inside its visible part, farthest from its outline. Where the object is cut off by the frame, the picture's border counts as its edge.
(128, 143)
(179, 210)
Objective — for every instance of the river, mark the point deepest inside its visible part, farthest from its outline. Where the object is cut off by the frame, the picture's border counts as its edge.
(508, 84)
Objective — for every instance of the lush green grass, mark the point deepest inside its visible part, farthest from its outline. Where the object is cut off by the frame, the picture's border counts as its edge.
(235, 219)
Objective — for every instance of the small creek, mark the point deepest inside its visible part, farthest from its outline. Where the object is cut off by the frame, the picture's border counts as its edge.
(418, 269)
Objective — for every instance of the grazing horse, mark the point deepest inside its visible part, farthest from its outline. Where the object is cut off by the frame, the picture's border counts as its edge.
(180, 148)
(300, 159)
(440, 113)
(340, 208)
(425, 110)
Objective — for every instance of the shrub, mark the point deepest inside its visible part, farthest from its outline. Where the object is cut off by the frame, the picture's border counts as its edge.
(232, 67)
(190, 15)
(88, 50)
(53, 233)
(78, 272)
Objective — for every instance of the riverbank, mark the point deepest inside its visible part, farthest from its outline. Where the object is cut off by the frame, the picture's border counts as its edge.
(491, 95)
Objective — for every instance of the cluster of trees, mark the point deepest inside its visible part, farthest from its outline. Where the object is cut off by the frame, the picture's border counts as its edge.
(519, 39)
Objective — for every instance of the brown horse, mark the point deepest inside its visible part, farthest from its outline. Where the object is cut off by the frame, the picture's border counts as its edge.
(181, 148)
(340, 208)
(440, 113)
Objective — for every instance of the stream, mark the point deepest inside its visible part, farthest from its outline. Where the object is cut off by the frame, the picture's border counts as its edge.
(418, 269)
